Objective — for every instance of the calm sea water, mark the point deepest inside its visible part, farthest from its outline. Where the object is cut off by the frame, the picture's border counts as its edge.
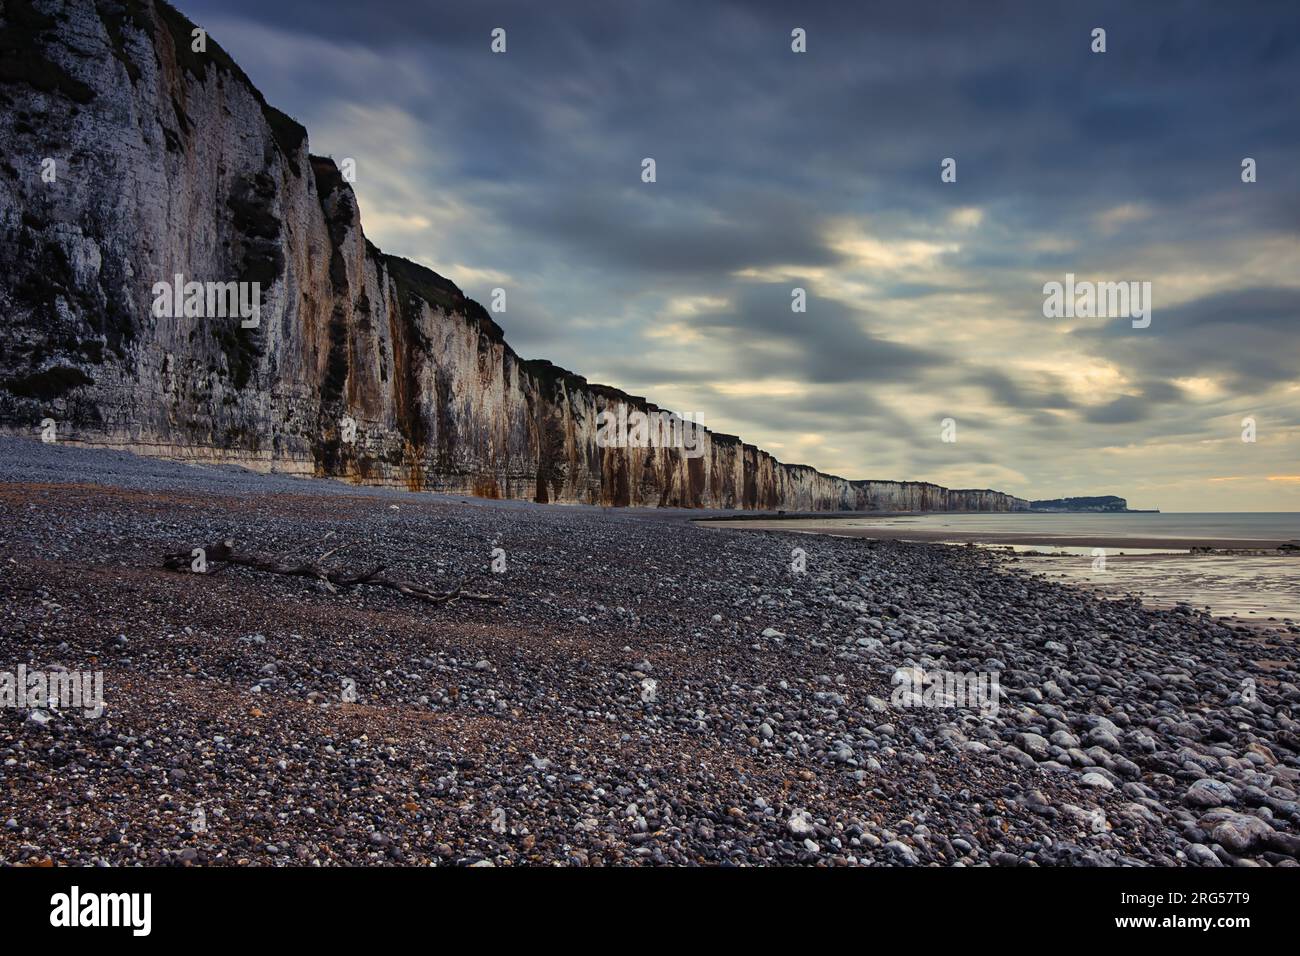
(1178, 529)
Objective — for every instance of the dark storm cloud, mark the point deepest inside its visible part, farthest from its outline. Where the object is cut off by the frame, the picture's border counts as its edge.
(830, 343)
(1246, 336)
(1123, 410)
(627, 230)
(1011, 90)
(841, 417)
(1043, 393)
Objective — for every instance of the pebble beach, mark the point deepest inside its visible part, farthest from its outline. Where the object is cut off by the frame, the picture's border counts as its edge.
(649, 692)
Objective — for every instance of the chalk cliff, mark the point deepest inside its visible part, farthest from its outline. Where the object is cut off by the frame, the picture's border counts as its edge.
(132, 159)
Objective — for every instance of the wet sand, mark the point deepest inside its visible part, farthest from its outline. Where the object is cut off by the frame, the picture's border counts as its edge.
(1249, 588)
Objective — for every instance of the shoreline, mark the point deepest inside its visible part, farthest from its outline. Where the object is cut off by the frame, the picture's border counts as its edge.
(1261, 582)
(1004, 538)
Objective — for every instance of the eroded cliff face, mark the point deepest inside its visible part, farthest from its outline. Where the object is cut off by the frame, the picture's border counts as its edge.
(166, 162)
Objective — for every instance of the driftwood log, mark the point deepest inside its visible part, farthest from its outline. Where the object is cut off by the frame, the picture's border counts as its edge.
(224, 554)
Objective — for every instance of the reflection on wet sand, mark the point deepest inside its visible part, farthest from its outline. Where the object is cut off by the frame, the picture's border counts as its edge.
(1252, 587)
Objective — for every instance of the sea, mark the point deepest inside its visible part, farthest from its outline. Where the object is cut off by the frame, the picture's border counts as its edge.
(1168, 529)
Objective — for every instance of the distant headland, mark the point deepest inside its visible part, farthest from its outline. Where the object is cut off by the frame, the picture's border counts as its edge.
(1108, 503)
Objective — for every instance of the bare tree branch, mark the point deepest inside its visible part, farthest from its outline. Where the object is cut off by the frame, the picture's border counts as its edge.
(224, 553)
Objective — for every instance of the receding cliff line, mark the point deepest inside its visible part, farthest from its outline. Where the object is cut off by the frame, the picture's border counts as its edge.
(363, 365)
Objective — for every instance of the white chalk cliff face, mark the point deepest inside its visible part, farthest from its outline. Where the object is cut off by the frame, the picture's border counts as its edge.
(166, 162)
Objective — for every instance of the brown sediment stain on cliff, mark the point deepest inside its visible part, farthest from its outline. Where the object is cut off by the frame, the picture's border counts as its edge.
(332, 455)
(659, 477)
(445, 425)
(615, 488)
(749, 495)
(485, 486)
(413, 468)
(410, 346)
(551, 388)
(551, 454)
(695, 482)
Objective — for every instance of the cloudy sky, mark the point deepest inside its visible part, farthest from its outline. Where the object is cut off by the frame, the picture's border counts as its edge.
(821, 170)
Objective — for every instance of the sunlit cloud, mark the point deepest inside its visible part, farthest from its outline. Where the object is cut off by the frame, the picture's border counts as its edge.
(968, 217)
(865, 251)
(1117, 217)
